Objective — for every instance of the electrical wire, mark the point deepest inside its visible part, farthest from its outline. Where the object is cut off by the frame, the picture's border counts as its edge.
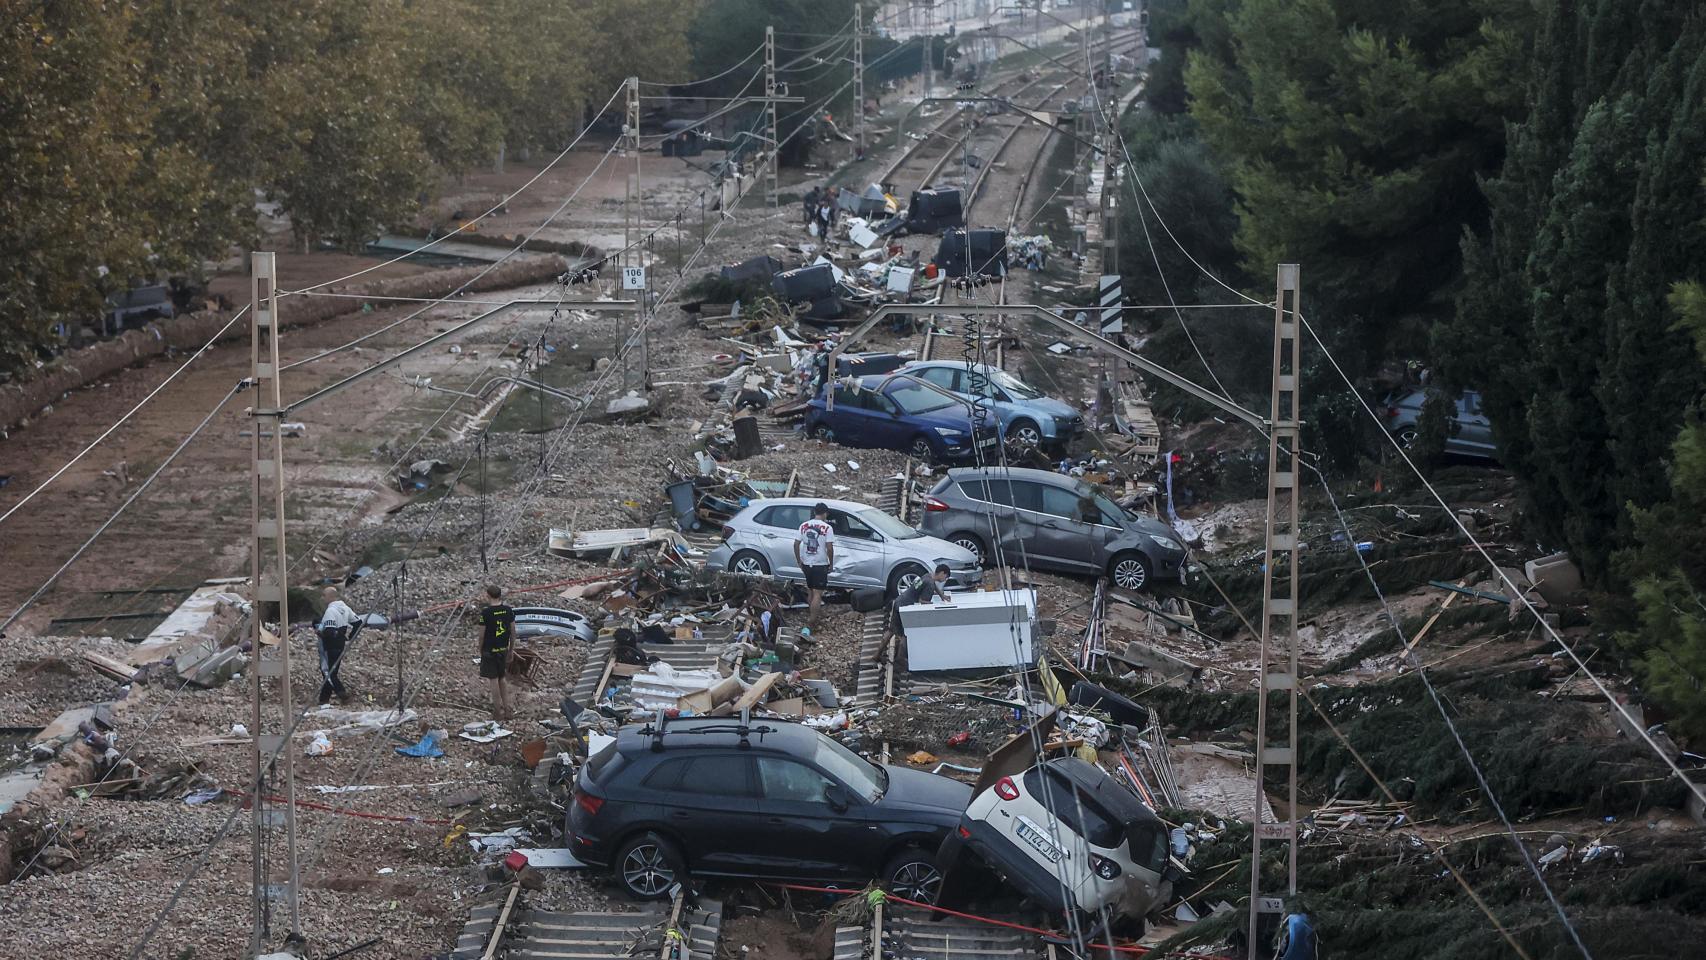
(1604, 691)
(710, 79)
(14, 508)
(138, 492)
(494, 209)
(1445, 716)
(465, 284)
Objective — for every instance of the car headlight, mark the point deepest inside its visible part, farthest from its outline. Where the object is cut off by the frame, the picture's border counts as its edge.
(950, 433)
(1168, 543)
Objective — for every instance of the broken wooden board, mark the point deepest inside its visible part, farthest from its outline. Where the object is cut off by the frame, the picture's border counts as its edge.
(755, 694)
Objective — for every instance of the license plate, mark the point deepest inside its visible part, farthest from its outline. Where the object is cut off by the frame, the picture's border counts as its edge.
(986, 442)
(1032, 834)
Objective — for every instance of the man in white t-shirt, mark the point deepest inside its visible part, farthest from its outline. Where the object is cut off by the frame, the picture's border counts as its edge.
(814, 550)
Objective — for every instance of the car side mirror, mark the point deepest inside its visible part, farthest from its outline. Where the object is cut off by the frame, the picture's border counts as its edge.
(836, 796)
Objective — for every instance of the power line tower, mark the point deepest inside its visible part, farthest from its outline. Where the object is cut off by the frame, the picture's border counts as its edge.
(770, 114)
(270, 672)
(635, 372)
(1276, 743)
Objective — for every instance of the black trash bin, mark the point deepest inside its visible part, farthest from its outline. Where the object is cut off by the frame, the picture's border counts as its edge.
(984, 250)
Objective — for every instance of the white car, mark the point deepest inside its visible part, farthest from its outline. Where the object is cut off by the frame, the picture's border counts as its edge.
(1091, 838)
(872, 549)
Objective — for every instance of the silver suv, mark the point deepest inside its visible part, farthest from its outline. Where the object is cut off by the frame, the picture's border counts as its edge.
(872, 549)
(1051, 521)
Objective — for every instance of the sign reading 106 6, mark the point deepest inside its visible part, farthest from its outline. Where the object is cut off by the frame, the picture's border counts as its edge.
(633, 278)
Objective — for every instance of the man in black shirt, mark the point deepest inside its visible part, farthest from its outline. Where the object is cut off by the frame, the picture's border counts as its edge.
(928, 590)
(497, 621)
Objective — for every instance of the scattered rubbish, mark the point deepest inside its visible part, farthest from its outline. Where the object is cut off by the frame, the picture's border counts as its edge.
(492, 844)
(427, 747)
(1556, 855)
(196, 798)
(320, 746)
(550, 858)
(1600, 851)
(959, 739)
(921, 758)
(238, 730)
(386, 871)
(1185, 914)
(484, 731)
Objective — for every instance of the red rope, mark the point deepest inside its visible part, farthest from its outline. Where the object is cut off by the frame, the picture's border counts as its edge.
(891, 898)
(326, 808)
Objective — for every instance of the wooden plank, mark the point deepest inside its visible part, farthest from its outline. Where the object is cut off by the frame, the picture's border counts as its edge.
(503, 918)
(755, 693)
(110, 667)
(1431, 620)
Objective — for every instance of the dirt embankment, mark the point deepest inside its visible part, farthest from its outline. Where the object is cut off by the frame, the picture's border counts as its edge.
(20, 401)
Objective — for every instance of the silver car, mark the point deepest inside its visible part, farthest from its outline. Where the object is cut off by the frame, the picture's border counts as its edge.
(872, 549)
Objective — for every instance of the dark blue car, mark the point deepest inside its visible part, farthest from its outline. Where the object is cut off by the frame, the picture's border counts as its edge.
(902, 413)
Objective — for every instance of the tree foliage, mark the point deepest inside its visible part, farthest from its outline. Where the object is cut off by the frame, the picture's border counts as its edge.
(139, 132)
(1354, 131)
(1668, 563)
(1562, 321)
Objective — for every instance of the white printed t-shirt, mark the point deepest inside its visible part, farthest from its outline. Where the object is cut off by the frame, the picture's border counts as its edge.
(815, 536)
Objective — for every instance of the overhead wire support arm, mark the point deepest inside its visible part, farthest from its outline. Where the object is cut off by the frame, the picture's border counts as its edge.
(1054, 319)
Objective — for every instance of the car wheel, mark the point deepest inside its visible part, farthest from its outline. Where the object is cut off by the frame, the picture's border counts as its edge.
(749, 564)
(969, 541)
(921, 450)
(1024, 434)
(913, 875)
(905, 577)
(1129, 571)
(645, 867)
(823, 432)
(1407, 438)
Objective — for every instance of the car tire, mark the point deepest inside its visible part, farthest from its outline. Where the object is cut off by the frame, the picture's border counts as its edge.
(823, 432)
(1024, 434)
(913, 875)
(646, 867)
(903, 577)
(1407, 438)
(972, 542)
(921, 450)
(749, 563)
(1129, 571)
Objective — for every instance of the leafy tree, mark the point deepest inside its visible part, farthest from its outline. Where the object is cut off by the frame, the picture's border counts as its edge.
(1598, 208)
(1668, 565)
(1354, 131)
(138, 132)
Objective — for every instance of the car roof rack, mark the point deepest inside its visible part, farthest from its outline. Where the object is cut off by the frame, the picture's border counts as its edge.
(743, 726)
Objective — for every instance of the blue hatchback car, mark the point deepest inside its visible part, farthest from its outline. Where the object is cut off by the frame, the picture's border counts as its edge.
(1027, 417)
(900, 412)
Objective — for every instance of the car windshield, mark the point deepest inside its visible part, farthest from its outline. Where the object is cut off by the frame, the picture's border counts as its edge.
(843, 765)
(1019, 389)
(915, 397)
(888, 526)
(1109, 507)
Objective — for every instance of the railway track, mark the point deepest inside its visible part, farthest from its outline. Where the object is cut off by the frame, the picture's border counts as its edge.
(920, 163)
(507, 929)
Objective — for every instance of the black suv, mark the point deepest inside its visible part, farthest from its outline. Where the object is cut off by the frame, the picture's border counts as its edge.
(770, 799)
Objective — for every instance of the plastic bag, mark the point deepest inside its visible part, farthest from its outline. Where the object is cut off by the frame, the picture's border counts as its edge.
(320, 746)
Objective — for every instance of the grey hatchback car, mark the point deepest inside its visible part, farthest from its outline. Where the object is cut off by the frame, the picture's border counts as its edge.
(1053, 521)
(872, 549)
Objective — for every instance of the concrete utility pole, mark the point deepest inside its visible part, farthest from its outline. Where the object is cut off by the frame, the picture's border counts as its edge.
(770, 113)
(1279, 604)
(268, 566)
(635, 373)
(859, 71)
(924, 50)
